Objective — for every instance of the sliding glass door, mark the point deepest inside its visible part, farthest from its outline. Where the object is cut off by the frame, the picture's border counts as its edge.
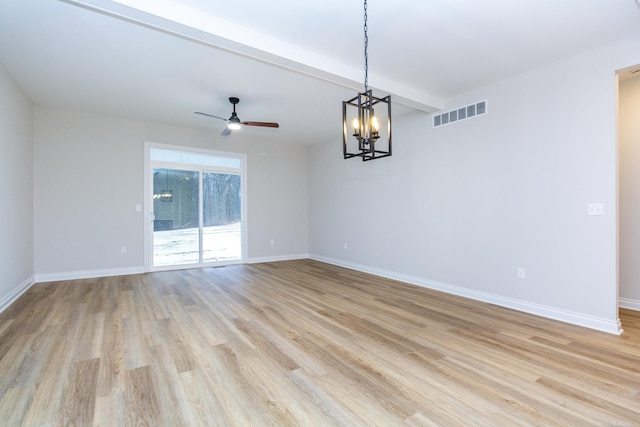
(176, 224)
(222, 213)
(197, 213)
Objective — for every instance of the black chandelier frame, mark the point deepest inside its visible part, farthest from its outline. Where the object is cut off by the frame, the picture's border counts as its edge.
(370, 144)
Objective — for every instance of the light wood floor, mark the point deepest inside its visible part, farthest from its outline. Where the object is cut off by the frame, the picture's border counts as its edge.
(301, 343)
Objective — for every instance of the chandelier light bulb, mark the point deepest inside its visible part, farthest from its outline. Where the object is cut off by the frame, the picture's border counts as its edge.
(374, 123)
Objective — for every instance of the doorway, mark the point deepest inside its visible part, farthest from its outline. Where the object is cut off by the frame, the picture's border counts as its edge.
(628, 189)
(196, 208)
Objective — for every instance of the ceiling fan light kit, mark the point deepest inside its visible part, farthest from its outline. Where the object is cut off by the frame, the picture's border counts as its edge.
(370, 140)
(234, 122)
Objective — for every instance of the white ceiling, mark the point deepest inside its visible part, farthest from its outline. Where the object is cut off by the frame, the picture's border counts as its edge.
(288, 61)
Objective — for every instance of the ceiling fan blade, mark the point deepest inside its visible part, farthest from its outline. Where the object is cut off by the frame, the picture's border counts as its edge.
(211, 115)
(226, 131)
(263, 124)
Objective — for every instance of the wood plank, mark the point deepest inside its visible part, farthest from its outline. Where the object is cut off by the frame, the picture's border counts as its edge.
(14, 405)
(201, 398)
(80, 393)
(143, 406)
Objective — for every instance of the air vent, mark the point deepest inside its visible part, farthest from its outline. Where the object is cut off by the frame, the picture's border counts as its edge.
(462, 113)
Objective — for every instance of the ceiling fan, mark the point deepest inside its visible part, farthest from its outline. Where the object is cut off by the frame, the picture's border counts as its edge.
(234, 122)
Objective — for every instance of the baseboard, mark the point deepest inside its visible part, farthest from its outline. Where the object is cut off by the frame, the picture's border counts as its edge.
(257, 260)
(87, 274)
(90, 274)
(630, 304)
(13, 295)
(605, 325)
(597, 323)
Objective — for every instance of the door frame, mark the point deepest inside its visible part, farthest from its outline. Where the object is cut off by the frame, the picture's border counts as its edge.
(148, 204)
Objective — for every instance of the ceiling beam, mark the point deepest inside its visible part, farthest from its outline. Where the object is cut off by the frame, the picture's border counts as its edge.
(174, 18)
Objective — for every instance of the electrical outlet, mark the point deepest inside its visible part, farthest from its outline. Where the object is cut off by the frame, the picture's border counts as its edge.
(123, 250)
(273, 242)
(520, 273)
(346, 246)
(595, 209)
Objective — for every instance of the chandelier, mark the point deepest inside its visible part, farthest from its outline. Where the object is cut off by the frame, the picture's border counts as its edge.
(362, 134)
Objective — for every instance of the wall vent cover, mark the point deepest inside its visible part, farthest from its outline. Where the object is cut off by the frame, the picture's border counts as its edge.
(463, 113)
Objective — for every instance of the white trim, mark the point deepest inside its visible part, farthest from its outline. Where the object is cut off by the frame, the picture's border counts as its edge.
(148, 199)
(605, 325)
(87, 274)
(629, 304)
(7, 300)
(148, 207)
(600, 324)
(258, 260)
(195, 266)
(91, 274)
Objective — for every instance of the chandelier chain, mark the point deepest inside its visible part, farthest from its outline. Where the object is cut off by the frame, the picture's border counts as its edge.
(366, 55)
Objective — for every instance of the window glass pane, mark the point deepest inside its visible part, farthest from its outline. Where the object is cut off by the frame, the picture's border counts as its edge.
(195, 158)
(221, 199)
(176, 233)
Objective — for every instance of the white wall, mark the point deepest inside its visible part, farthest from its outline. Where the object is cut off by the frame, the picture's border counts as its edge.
(457, 208)
(629, 115)
(16, 176)
(461, 207)
(89, 174)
